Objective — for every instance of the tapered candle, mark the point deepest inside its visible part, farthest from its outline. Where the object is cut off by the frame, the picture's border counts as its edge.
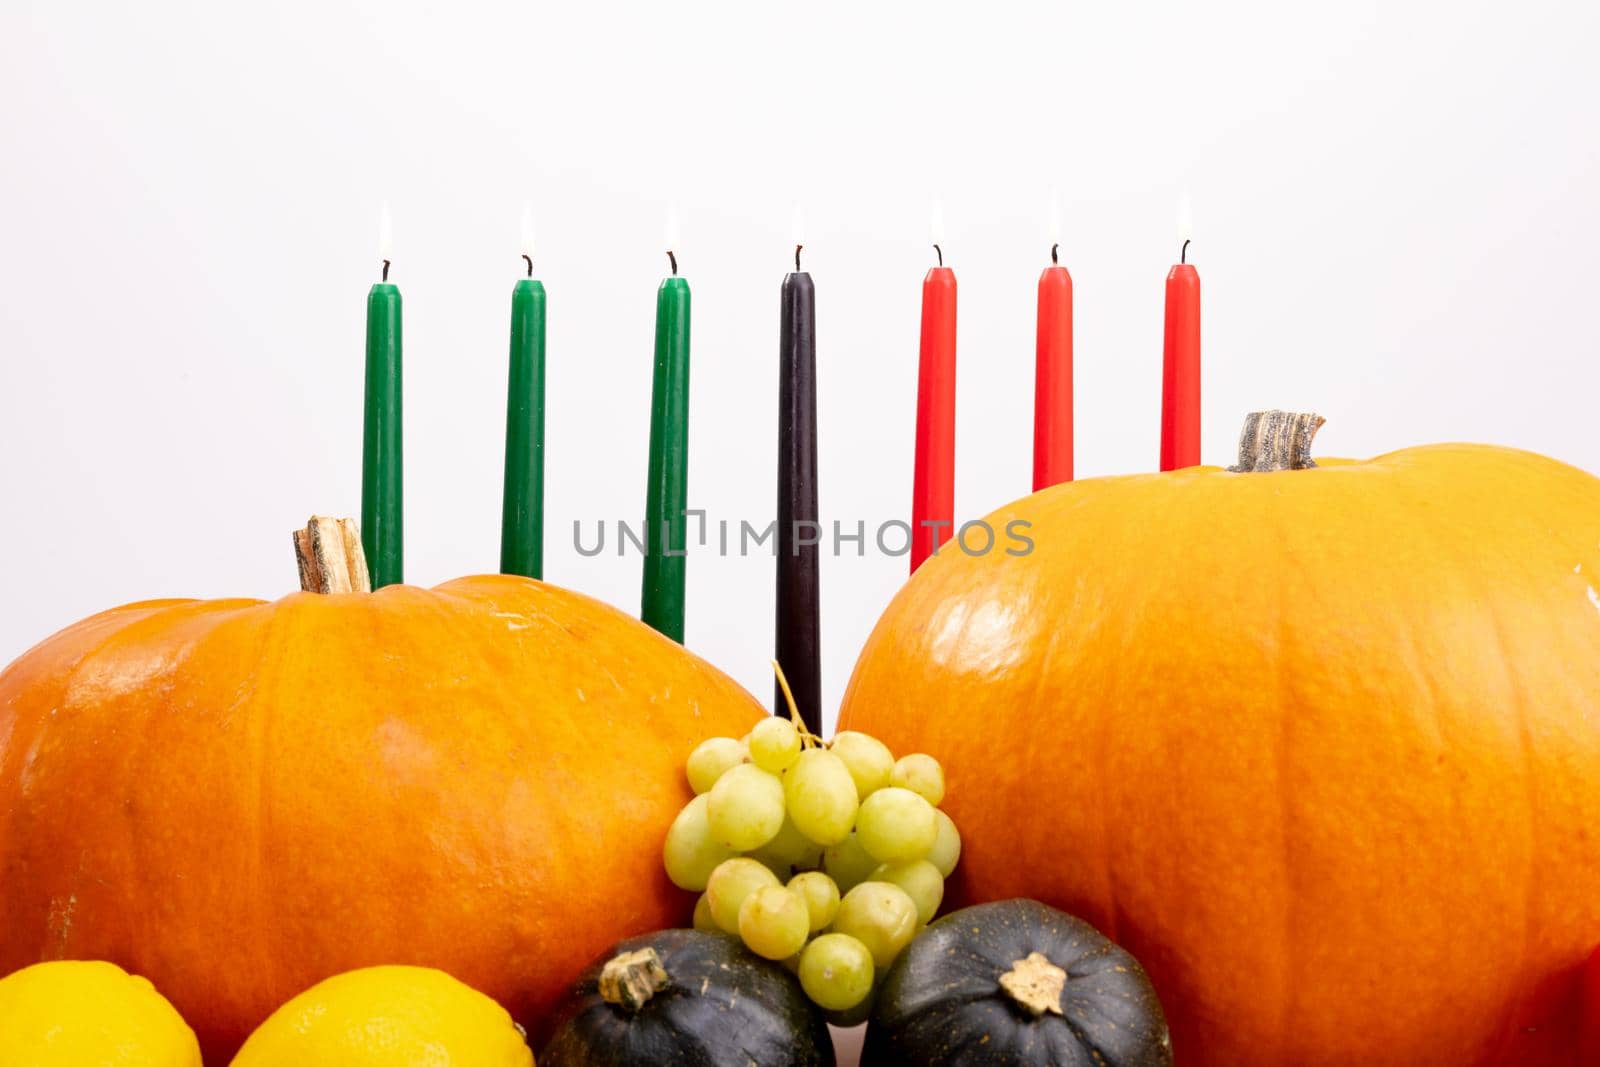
(1052, 388)
(382, 534)
(1180, 358)
(933, 482)
(666, 495)
(798, 591)
(522, 507)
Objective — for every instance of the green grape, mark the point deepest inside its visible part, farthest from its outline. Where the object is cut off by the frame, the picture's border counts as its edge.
(880, 916)
(821, 796)
(836, 972)
(702, 915)
(847, 863)
(894, 824)
(920, 773)
(920, 879)
(745, 807)
(869, 760)
(690, 852)
(781, 871)
(710, 759)
(774, 922)
(946, 848)
(729, 884)
(774, 744)
(789, 851)
(820, 894)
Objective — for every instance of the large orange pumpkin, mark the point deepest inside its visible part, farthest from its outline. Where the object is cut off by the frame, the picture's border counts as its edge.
(1321, 747)
(237, 799)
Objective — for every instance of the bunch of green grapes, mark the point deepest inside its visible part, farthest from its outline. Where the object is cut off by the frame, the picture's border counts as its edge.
(828, 856)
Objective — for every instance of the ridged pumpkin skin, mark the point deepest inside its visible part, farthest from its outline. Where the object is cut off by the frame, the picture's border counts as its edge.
(238, 799)
(1320, 747)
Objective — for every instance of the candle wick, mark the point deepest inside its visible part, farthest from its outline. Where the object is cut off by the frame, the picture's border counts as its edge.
(940, 253)
(529, 261)
(673, 260)
(386, 270)
(1054, 258)
(1183, 256)
(797, 249)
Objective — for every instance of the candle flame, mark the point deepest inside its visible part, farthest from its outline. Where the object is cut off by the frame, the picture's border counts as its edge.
(1185, 219)
(670, 233)
(1055, 218)
(385, 234)
(936, 222)
(797, 229)
(527, 229)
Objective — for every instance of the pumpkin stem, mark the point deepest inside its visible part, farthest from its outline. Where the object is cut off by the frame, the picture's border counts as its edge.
(1035, 984)
(1277, 441)
(330, 557)
(632, 978)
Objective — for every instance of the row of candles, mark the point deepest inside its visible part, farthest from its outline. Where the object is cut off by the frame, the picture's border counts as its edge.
(798, 648)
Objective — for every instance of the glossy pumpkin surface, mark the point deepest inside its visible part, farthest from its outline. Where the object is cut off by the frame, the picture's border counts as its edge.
(238, 799)
(720, 1005)
(1320, 747)
(1082, 1001)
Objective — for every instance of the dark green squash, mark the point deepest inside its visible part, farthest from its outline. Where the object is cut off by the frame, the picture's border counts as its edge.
(687, 998)
(1015, 984)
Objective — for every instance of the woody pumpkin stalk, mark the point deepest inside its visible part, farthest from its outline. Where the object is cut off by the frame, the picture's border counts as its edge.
(330, 557)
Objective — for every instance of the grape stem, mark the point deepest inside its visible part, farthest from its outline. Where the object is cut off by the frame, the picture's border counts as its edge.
(807, 738)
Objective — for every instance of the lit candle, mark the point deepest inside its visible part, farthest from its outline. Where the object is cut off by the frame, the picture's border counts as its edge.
(1180, 362)
(933, 482)
(798, 595)
(381, 511)
(666, 495)
(522, 508)
(1052, 389)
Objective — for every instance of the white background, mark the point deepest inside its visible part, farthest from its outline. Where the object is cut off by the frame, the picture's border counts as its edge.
(1397, 215)
(1397, 218)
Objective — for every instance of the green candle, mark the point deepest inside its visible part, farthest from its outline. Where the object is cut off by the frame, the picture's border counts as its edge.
(381, 533)
(522, 509)
(666, 496)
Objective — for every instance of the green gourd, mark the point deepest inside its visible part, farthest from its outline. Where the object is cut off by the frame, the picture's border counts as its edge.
(1015, 984)
(689, 998)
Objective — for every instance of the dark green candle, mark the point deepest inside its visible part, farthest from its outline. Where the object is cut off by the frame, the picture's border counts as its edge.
(381, 522)
(522, 509)
(666, 496)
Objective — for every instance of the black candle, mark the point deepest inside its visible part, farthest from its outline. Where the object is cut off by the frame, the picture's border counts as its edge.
(799, 534)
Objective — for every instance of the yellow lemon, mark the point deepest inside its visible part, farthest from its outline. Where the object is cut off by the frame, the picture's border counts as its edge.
(71, 1013)
(387, 1017)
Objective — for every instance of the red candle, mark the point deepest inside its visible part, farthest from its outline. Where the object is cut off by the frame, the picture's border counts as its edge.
(933, 486)
(1052, 380)
(1180, 361)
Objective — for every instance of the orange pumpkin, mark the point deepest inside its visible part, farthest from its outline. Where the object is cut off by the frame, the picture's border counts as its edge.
(1589, 1023)
(1321, 747)
(237, 799)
